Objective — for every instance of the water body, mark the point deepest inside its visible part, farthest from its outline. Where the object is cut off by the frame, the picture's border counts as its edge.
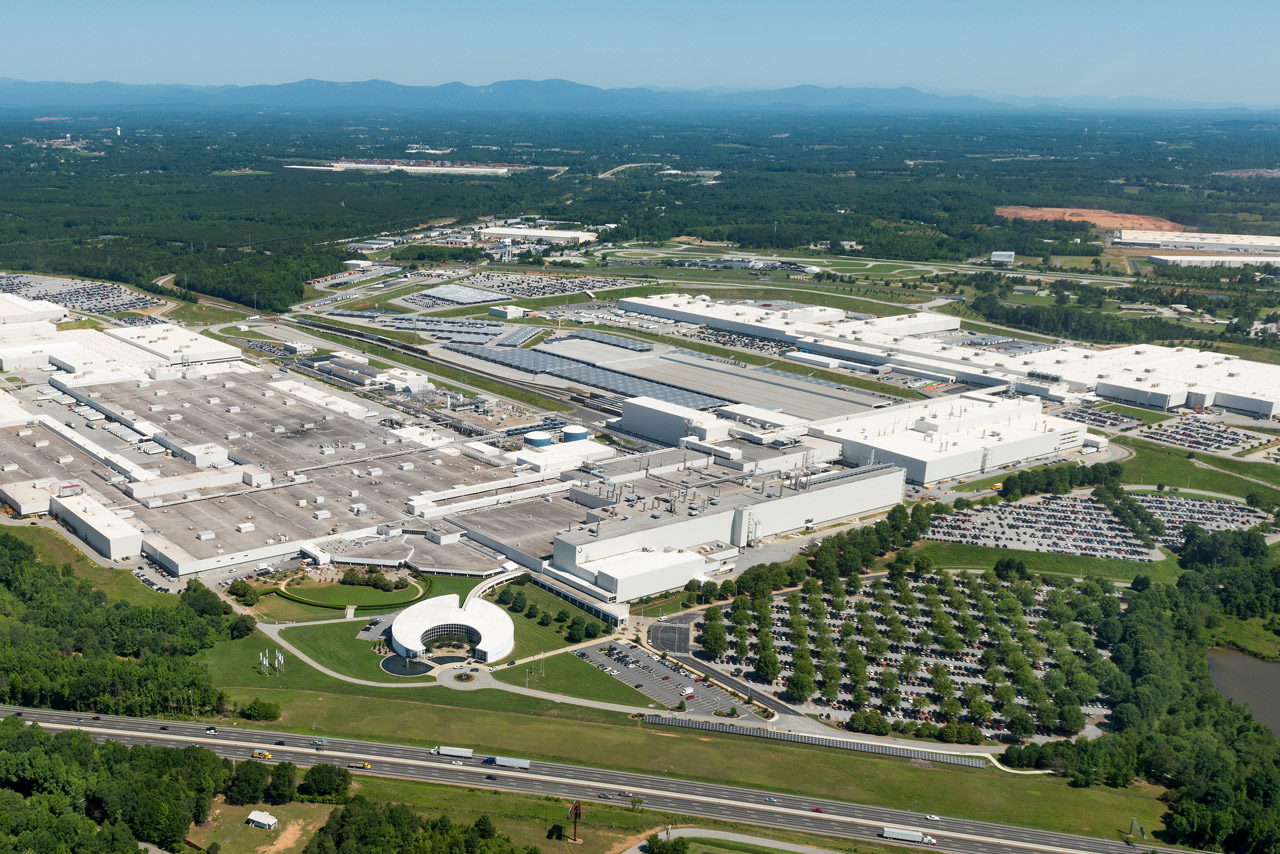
(1250, 682)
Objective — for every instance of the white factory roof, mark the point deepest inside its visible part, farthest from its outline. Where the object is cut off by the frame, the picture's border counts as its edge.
(539, 234)
(1207, 240)
(17, 309)
(493, 624)
(93, 513)
(175, 344)
(760, 415)
(635, 562)
(951, 425)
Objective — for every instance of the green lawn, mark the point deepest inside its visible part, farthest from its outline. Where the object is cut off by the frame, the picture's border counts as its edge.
(198, 315)
(1249, 636)
(442, 585)
(335, 646)
(352, 594)
(532, 638)
(1147, 416)
(973, 326)
(277, 609)
(567, 674)
(664, 608)
(1154, 463)
(966, 556)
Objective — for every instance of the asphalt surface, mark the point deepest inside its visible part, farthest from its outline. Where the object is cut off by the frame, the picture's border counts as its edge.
(704, 800)
(654, 678)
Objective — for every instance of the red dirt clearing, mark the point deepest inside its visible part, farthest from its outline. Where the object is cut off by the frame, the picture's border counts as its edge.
(1102, 219)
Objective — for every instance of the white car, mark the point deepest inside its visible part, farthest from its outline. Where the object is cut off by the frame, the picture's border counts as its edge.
(456, 762)
(662, 619)
(932, 818)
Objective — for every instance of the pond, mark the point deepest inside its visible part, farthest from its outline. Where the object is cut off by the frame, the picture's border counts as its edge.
(1250, 682)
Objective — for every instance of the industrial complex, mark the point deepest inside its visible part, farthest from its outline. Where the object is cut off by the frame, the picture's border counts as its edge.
(1199, 241)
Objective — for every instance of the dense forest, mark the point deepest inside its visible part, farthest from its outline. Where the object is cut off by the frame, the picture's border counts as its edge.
(207, 196)
(63, 646)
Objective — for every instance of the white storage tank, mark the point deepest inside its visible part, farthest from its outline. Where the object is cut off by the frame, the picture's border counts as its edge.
(538, 439)
(575, 433)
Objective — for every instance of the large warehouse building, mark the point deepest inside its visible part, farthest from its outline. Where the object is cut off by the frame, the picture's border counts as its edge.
(538, 235)
(1230, 261)
(1204, 242)
(933, 346)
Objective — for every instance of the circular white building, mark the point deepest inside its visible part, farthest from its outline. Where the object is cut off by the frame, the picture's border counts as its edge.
(482, 623)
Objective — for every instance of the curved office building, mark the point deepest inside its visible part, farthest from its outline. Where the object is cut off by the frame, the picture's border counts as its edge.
(482, 623)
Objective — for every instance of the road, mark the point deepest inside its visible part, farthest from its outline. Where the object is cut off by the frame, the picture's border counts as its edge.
(687, 797)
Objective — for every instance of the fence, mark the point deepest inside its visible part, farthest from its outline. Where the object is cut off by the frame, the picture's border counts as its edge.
(840, 744)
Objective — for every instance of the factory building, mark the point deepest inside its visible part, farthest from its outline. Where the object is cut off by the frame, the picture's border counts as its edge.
(538, 235)
(481, 623)
(1202, 242)
(933, 346)
(1228, 261)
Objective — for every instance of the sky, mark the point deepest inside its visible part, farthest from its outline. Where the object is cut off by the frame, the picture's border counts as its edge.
(1191, 52)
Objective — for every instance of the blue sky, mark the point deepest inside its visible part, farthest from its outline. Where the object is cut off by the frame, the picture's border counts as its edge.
(1201, 51)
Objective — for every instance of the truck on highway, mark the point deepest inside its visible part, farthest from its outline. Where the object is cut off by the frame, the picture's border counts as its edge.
(459, 752)
(360, 766)
(261, 754)
(508, 762)
(908, 836)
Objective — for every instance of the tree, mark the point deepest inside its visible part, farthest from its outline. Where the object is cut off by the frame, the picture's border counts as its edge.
(545, 619)
(636, 801)
(577, 631)
(326, 781)
(562, 616)
(767, 667)
(592, 630)
(248, 783)
(715, 639)
(532, 611)
(518, 603)
(260, 710)
(1021, 725)
(505, 596)
(284, 784)
(484, 827)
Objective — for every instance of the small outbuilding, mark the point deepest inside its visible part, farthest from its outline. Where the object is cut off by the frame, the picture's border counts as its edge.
(265, 820)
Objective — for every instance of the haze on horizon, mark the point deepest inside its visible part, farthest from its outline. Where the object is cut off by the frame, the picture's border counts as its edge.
(996, 47)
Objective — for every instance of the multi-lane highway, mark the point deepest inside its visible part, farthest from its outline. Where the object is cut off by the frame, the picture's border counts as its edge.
(704, 800)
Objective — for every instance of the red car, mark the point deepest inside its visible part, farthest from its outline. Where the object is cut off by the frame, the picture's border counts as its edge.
(818, 809)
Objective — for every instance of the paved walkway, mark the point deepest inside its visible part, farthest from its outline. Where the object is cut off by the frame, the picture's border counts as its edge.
(699, 833)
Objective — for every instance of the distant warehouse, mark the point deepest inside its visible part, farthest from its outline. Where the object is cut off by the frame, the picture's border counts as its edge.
(1255, 243)
(538, 235)
(1211, 260)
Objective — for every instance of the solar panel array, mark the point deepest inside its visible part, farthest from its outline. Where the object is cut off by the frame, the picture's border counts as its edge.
(520, 336)
(625, 385)
(611, 340)
(461, 294)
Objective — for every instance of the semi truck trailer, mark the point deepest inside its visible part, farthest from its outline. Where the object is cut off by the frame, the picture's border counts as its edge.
(908, 836)
(456, 752)
(508, 762)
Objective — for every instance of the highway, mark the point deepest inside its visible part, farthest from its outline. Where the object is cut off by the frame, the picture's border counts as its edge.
(686, 797)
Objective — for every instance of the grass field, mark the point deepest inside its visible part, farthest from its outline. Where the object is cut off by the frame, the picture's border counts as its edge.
(277, 609)
(973, 326)
(442, 585)
(226, 826)
(1155, 463)
(531, 638)
(351, 594)
(118, 584)
(199, 314)
(1041, 802)
(1249, 636)
(664, 608)
(567, 674)
(966, 556)
(336, 647)
(1147, 416)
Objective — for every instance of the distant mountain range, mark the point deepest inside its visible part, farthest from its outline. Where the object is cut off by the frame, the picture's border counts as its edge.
(562, 96)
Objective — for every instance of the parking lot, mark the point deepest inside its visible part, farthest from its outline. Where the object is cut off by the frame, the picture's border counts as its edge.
(660, 679)
(1062, 524)
(90, 297)
(1100, 418)
(539, 285)
(1176, 511)
(1197, 435)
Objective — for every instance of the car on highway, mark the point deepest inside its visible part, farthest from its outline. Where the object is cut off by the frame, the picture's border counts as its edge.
(97, 717)
(932, 818)
(818, 809)
(164, 729)
(491, 776)
(606, 796)
(79, 720)
(662, 619)
(456, 762)
(211, 730)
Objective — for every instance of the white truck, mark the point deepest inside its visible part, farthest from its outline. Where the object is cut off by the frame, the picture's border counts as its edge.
(507, 762)
(458, 752)
(908, 836)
